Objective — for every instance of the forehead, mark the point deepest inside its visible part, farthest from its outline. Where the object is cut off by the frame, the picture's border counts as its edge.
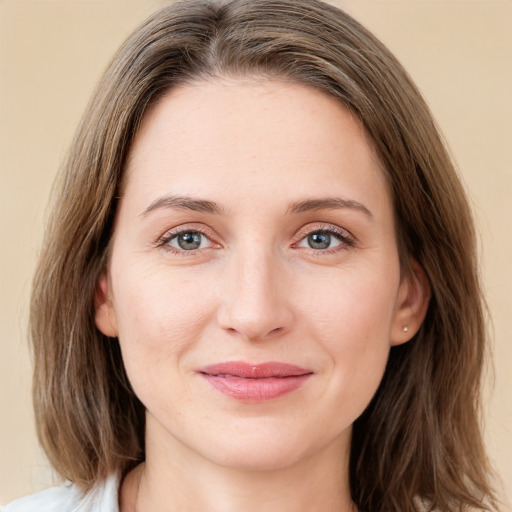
(247, 136)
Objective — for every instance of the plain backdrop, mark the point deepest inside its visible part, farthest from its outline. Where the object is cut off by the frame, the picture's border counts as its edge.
(52, 52)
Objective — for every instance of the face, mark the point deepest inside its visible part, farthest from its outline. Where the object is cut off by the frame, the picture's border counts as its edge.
(254, 280)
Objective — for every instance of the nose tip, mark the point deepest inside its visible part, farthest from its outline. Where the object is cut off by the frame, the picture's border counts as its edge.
(256, 305)
(252, 329)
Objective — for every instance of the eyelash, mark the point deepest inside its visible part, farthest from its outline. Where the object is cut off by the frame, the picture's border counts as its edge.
(346, 239)
(164, 241)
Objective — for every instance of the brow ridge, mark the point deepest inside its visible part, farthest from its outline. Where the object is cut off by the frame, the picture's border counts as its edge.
(183, 203)
(206, 206)
(328, 203)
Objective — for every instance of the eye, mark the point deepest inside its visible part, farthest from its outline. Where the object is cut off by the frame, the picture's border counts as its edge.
(320, 240)
(187, 240)
(325, 240)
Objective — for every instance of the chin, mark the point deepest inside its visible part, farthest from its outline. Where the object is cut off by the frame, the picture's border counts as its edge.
(261, 457)
(266, 449)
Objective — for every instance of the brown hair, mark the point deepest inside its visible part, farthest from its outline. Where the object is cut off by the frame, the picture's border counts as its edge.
(419, 442)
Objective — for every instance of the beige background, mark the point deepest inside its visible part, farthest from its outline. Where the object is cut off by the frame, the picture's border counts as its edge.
(52, 53)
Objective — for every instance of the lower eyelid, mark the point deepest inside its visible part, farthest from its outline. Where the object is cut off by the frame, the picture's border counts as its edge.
(206, 240)
(176, 235)
(345, 240)
(339, 245)
(173, 233)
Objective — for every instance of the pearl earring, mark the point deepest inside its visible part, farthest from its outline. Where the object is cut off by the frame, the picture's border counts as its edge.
(405, 328)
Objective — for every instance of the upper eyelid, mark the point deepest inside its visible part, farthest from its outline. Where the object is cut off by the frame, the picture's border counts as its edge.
(173, 232)
(330, 228)
(301, 233)
(347, 239)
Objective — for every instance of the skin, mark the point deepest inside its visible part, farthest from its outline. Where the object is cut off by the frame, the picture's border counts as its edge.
(255, 290)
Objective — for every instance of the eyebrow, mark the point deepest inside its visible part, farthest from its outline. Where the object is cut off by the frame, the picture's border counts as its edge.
(183, 203)
(328, 203)
(205, 206)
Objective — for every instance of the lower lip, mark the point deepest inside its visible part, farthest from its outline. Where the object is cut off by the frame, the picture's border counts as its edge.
(256, 390)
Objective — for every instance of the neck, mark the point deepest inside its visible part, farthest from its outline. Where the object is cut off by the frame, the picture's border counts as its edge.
(182, 480)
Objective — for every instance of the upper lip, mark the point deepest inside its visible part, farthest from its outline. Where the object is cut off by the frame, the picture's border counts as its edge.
(245, 370)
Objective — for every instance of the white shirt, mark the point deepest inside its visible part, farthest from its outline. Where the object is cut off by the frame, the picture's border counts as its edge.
(103, 497)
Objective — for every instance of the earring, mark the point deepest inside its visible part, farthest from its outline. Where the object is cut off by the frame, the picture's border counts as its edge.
(405, 328)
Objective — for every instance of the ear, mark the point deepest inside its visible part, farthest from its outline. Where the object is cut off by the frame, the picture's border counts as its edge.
(411, 304)
(105, 317)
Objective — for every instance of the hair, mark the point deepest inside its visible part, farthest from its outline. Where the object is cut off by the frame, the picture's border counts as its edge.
(418, 443)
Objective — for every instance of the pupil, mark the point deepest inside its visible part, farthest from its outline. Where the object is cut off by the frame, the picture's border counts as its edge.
(320, 240)
(189, 241)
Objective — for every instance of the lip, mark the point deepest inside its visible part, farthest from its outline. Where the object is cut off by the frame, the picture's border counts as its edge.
(254, 382)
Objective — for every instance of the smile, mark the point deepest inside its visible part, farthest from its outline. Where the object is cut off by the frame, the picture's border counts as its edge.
(255, 382)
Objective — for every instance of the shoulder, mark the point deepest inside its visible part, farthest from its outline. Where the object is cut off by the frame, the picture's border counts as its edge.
(62, 498)
(68, 498)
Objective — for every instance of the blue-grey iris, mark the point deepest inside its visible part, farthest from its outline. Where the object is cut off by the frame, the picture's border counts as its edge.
(189, 241)
(319, 240)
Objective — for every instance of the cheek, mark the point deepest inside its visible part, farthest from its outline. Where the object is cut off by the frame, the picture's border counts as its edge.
(158, 304)
(160, 318)
(352, 319)
(354, 304)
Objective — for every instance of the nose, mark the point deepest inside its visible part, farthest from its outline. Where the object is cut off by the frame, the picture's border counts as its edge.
(256, 303)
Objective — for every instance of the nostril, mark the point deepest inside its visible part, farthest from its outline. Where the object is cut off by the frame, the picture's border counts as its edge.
(254, 333)
(255, 313)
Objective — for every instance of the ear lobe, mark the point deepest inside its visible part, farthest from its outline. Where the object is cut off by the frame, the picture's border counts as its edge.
(411, 304)
(105, 317)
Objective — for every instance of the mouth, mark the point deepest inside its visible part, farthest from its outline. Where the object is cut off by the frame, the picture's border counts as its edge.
(255, 382)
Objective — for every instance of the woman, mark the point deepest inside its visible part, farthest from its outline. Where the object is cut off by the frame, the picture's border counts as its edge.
(259, 285)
